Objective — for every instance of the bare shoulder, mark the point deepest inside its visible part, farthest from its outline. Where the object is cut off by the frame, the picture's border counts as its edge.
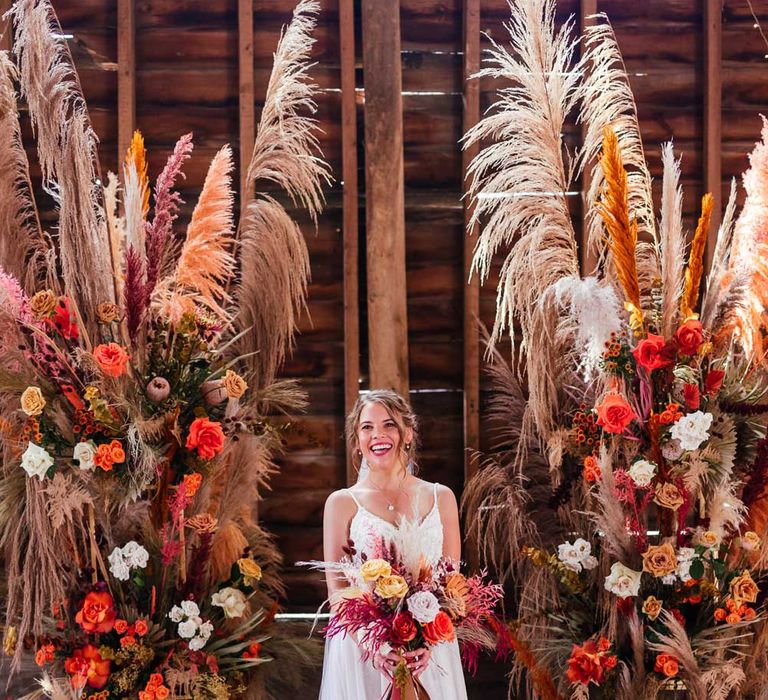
(340, 503)
(445, 495)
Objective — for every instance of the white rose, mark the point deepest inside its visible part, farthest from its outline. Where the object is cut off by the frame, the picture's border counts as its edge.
(684, 570)
(692, 430)
(423, 606)
(205, 630)
(135, 555)
(117, 565)
(176, 614)
(623, 581)
(197, 643)
(84, 454)
(669, 579)
(685, 553)
(36, 461)
(589, 562)
(641, 472)
(569, 556)
(231, 600)
(190, 608)
(672, 450)
(583, 548)
(187, 629)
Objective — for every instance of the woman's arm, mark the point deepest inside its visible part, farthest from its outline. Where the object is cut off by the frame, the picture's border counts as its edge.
(339, 510)
(449, 514)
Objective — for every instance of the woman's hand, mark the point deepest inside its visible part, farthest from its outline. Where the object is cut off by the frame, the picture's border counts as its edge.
(386, 663)
(417, 660)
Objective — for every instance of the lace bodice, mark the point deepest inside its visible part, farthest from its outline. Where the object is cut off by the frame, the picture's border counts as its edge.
(414, 540)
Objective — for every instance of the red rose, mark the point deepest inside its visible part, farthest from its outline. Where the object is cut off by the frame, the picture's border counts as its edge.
(713, 381)
(112, 359)
(205, 436)
(439, 630)
(98, 612)
(689, 337)
(692, 396)
(584, 664)
(403, 628)
(650, 353)
(614, 414)
(86, 666)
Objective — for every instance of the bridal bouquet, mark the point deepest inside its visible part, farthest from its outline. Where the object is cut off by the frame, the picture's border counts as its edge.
(393, 605)
(139, 363)
(628, 496)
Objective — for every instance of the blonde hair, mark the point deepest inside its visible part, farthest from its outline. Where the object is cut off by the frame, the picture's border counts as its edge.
(399, 410)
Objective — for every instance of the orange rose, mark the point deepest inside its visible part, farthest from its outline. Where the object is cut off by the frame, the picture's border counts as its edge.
(98, 612)
(116, 452)
(689, 337)
(720, 614)
(128, 641)
(192, 483)
(403, 628)
(666, 664)
(439, 630)
(744, 589)
(112, 359)
(614, 414)
(206, 437)
(121, 626)
(649, 353)
(161, 692)
(584, 664)
(660, 560)
(141, 627)
(733, 618)
(668, 496)
(592, 471)
(86, 666)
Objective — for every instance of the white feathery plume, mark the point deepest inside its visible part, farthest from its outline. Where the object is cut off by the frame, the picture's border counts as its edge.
(607, 100)
(724, 508)
(596, 313)
(518, 184)
(671, 241)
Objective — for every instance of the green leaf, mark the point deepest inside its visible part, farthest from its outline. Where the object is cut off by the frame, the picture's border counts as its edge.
(697, 569)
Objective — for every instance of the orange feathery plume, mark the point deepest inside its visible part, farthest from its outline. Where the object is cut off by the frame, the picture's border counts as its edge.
(540, 678)
(696, 259)
(622, 233)
(137, 155)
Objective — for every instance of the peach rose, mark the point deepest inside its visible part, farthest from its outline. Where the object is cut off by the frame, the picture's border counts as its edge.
(709, 539)
(98, 613)
(668, 496)
(32, 401)
(43, 304)
(205, 436)
(660, 560)
(750, 541)
(744, 589)
(391, 587)
(112, 359)
(107, 312)
(614, 414)
(652, 607)
(234, 384)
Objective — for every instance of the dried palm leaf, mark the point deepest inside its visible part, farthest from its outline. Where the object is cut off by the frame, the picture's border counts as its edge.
(672, 241)
(524, 207)
(66, 148)
(695, 269)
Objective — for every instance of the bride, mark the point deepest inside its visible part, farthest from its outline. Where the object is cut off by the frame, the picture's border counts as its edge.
(422, 519)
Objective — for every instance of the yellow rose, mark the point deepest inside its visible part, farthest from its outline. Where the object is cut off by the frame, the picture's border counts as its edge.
(32, 401)
(391, 587)
(668, 496)
(709, 539)
(43, 304)
(660, 560)
(234, 384)
(374, 569)
(750, 541)
(107, 312)
(10, 641)
(250, 571)
(744, 589)
(652, 607)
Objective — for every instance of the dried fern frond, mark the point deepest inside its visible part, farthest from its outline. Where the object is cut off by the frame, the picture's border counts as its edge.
(607, 101)
(25, 251)
(518, 183)
(695, 269)
(671, 241)
(66, 148)
(620, 226)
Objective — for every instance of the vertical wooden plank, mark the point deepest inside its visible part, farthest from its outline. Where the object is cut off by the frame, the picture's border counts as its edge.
(587, 257)
(6, 28)
(247, 118)
(350, 212)
(385, 199)
(713, 25)
(126, 75)
(471, 116)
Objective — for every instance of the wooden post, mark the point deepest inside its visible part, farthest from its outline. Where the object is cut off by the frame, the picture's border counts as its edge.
(587, 257)
(246, 94)
(472, 287)
(350, 206)
(385, 199)
(712, 116)
(126, 76)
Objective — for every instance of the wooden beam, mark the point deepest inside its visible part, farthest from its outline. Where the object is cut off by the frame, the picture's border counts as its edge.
(587, 257)
(247, 120)
(126, 76)
(713, 40)
(385, 203)
(471, 116)
(350, 205)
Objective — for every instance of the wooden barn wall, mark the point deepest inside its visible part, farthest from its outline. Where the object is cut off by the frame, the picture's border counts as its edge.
(187, 80)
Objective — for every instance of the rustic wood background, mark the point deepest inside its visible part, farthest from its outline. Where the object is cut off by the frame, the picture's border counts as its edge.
(185, 62)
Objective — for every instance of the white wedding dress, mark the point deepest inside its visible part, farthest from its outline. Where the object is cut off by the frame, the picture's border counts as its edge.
(346, 676)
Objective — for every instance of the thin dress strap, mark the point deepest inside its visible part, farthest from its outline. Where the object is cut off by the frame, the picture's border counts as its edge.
(354, 498)
(435, 494)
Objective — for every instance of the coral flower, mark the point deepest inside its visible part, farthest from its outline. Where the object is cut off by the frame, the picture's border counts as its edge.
(667, 664)
(98, 612)
(112, 359)
(205, 436)
(614, 414)
(86, 666)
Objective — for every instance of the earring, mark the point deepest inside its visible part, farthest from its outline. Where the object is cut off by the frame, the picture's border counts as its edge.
(407, 446)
